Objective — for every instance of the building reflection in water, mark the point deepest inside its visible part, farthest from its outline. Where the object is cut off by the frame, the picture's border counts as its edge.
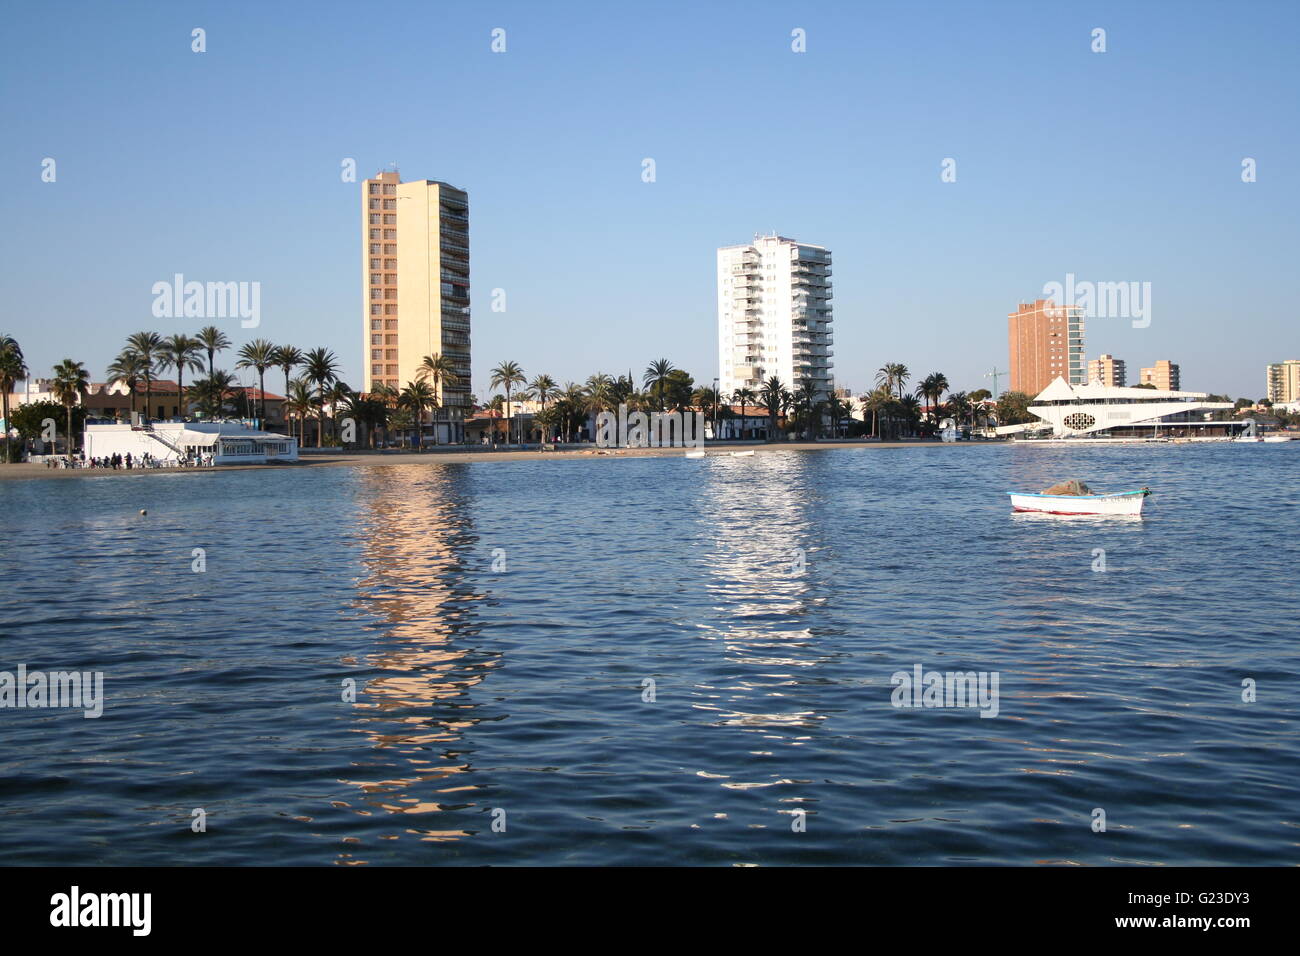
(415, 534)
(757, 518)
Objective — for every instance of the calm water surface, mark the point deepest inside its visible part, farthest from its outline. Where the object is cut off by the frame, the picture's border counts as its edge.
(517, 695)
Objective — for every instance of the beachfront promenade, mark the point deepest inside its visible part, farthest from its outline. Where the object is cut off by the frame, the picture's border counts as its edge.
(460, 454)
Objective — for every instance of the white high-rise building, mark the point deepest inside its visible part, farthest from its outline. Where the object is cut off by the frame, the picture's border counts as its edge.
(774, 315)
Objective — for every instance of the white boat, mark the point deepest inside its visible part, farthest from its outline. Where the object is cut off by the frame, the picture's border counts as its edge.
(1277, 438)
(741, 454)
(695, 454)
(1123, 503)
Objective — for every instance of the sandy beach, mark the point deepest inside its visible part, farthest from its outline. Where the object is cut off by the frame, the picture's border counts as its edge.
(440, 456)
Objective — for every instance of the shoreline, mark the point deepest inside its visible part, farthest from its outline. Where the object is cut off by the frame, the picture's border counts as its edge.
(30, 470)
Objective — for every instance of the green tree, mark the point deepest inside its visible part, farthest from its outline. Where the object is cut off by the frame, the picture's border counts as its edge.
(13, 369)
(259, 355)
(127, 368)
(893, 376)
(1013, 408)
(507, 375)
(772, 397)
(321, 368)
(655, 380)
(931, 389)
(287, 358)
(416, 397)
(214, 394)
(443, 372)
(70, 383)
(180, 352)
(212, 340)
(147, 345)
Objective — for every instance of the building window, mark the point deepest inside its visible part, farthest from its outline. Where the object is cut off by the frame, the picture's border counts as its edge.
(390, 234)
(390, 220)
(376, 340)
(375, 309)
(390, 323)
(374, 189)
(376, 353)
(374, 233)
(374, 263)
(390, 190)
(390, 203)
(390, 265)
(374, 247)
(376, 324)
(374, 219)
(390, 250)
(376, 370)
(376, 293)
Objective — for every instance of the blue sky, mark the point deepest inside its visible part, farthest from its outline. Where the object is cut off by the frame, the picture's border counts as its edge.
(1121, 166)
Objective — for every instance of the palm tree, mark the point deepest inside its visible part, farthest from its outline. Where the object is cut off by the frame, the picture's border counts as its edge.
(286, 358)
(213, 393)
(13, 368)
(771, 396)
(576, 403)
(415, 398)
(70, 383)
(443, 372)
(837, 409)
(656, 377)
(212, 340)
(746, 397)
(127, 368)
(932, 388)
(893, 376)
(600, 393)
(148, 345)
(507, 375)
(878, 400)
(542, 388)
(298, 402)
(910, 408)
(961, 407)
(180, 352)
(320, 367)
(337, 394)
(260, 355)
(806, 400)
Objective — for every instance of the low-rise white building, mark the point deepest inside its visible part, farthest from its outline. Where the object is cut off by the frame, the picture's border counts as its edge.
(221, 443)
(1094, 410)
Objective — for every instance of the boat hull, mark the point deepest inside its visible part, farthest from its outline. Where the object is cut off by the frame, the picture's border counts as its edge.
(1125, 503)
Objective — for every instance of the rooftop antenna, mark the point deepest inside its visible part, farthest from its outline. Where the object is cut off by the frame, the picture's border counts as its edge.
(995, 375)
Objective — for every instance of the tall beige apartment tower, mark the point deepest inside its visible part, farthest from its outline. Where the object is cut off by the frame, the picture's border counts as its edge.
(1164, 375)
(415, 275)
(1284, 381)
(1108, 370)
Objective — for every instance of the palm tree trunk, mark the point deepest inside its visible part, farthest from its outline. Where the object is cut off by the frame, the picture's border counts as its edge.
(261, 387)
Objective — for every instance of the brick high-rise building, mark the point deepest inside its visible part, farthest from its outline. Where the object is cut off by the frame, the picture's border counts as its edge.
(415, 275)
(1045, 342)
